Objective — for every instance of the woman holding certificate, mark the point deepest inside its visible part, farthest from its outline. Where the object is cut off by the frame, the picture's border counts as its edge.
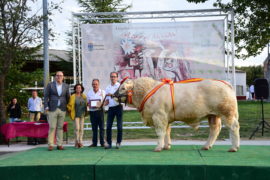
(95, 97)
(77, 108)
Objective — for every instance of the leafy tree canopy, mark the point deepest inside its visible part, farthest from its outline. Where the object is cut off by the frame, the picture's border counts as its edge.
(252, 72)
(103, 6)
(20, 38)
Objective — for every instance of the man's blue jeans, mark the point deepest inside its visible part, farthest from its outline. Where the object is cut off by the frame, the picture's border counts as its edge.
(11, 120)
(112, 112)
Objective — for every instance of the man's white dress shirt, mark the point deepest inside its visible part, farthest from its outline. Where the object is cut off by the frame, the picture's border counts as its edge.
(112, 89)
(92, 95)
(34, 104)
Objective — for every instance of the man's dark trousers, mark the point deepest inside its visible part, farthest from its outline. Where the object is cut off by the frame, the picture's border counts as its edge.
(112, 112)
(97, 121)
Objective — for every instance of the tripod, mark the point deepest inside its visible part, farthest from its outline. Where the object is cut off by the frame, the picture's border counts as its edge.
(262, 125)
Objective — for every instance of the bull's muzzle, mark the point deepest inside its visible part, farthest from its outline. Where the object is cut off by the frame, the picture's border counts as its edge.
(116, 94)
(120, 98)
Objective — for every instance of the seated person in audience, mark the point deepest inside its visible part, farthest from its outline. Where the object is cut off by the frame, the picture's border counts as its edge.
(14, 110)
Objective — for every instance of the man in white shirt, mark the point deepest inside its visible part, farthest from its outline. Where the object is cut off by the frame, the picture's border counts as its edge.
(251, 90)
(115, 109)
(34, 106)
(94, 98)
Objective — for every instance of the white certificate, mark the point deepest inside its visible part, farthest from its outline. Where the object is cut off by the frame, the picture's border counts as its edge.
(93, 103)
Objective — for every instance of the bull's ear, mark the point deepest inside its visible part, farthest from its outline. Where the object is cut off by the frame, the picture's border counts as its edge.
(129, 84)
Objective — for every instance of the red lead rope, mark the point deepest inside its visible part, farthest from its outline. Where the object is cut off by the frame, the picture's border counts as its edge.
(129, 94)
(153, 91)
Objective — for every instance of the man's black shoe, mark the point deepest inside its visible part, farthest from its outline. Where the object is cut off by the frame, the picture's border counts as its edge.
(107, 146)
(118, 145)
(92, 145)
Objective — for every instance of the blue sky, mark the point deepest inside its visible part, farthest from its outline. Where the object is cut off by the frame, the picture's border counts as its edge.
(62, 21)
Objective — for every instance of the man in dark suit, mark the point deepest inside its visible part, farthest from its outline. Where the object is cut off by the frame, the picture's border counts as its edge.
(55, 102)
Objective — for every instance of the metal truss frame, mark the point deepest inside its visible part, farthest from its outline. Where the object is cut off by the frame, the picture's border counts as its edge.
(203, 14)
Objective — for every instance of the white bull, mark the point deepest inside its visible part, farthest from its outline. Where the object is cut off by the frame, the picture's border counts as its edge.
(195, 101)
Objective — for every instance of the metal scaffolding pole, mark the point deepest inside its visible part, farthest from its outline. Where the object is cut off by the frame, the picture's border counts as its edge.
(74, 52)
(227, 51)
(45, 44)
(233, 53)
(79, 52)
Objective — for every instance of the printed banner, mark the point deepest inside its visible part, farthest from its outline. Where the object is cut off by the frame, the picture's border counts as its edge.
(175, 50)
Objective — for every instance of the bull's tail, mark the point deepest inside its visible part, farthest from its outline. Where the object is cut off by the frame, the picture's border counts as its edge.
(234, 127)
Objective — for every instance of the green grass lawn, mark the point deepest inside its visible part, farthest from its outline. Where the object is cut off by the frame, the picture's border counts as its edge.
(249, 117)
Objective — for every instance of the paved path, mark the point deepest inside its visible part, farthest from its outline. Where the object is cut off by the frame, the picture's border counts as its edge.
(15, 147)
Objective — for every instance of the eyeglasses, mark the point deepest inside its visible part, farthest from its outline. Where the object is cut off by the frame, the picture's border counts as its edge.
(113, 76)
(59, 75)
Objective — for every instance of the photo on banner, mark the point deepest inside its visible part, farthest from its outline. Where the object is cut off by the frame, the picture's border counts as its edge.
(174, 50)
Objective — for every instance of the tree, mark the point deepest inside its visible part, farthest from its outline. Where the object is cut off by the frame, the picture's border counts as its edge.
(16, 80)
(103, 6)
(20, 38)
(252, 24)
(253, 72)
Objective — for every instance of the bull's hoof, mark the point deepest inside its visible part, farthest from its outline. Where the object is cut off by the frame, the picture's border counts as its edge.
(206, 148)
(157, 149)
(232, 150)
(167, 147)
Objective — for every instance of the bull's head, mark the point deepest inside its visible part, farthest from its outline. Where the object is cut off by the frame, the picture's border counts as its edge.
(121, 95)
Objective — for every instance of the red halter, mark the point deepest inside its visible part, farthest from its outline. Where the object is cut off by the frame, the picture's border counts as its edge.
(129, 93)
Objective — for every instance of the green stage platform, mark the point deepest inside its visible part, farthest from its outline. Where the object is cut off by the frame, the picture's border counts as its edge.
(185, 162)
